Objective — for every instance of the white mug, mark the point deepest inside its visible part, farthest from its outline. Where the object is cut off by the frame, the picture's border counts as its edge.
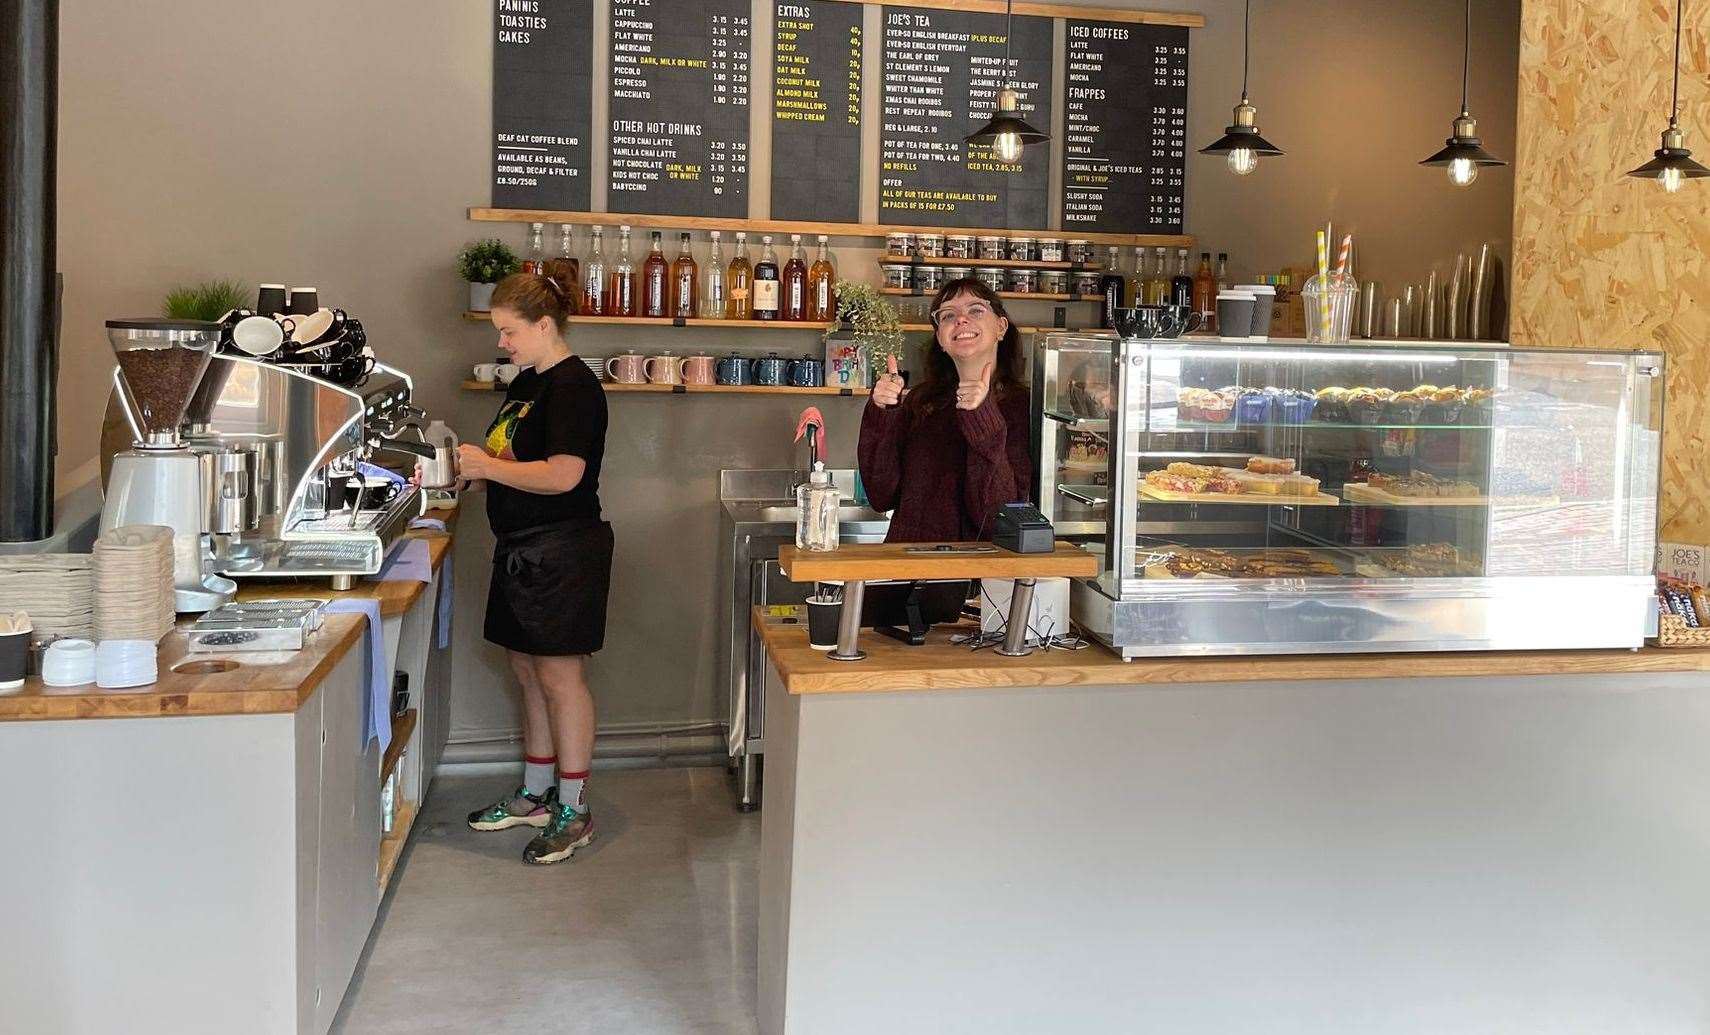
(506, 372)
(486, 373)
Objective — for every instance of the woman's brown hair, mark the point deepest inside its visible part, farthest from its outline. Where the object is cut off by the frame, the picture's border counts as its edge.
(938, 384)
(534, 295)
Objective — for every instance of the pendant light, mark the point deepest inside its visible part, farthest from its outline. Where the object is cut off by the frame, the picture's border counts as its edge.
(1673, 162)
(1463, 156)
(1241, 143)
(1007, 133)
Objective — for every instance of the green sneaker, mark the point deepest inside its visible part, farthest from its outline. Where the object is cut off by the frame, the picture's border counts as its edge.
(567, 831)
(518, 809)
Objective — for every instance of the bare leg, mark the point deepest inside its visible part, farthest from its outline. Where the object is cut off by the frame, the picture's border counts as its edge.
(570, 705)
(537, 726)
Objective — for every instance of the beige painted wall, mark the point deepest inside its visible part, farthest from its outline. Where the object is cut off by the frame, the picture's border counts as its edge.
(338, 144)
(1606, 261)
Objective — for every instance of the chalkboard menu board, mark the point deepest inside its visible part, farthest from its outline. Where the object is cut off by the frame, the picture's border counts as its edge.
(542, 103)
(679, 107)
(816, 111)
(942, 73)
(1125, 141)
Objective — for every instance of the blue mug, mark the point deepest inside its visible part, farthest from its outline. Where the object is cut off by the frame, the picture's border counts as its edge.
(735, 370)
(807, 372)
(771, 370)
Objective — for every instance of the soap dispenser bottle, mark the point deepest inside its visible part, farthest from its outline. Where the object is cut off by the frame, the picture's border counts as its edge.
(816, 503)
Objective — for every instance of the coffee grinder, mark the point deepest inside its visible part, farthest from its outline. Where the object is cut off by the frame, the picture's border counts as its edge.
(159, 481)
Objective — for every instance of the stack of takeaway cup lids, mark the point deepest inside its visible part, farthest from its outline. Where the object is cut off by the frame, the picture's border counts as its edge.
(57, 589)
(133, 584)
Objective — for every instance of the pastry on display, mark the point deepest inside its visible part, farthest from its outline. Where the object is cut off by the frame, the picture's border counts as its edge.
(1420, 484)
(1421, 561)
(1270, 465)
(1194, 479)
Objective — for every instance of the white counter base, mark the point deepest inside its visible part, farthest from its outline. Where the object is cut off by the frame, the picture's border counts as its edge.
(1508, 855)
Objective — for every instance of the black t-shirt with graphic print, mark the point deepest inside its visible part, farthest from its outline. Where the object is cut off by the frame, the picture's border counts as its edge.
(562, 411)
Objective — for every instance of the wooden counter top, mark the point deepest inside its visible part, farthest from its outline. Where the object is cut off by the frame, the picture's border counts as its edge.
(939, 665)
(865, 561)
(263, 683)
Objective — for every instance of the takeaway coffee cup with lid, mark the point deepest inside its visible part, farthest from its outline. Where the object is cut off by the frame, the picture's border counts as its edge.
(1264, 304)
(1235, 313)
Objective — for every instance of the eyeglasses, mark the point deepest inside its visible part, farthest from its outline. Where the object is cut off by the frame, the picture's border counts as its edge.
(945, 317)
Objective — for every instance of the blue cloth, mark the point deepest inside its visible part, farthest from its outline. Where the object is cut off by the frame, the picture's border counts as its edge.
(377, 715)
(436, 524)
(447, 596)
(409, 561)
(376, 471)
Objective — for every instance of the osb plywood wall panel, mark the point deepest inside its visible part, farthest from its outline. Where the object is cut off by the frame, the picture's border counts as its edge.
(1601, 260)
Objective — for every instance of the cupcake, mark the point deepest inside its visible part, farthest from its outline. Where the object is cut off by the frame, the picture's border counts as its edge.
(1252, 407)
(1297, 406)
(1443, 405)
(1404, 408)
(1364, 406)
(1332, 405)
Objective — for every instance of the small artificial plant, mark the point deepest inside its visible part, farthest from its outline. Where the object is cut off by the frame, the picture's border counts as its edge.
(486, 262)
(871, 317)
(208, 300)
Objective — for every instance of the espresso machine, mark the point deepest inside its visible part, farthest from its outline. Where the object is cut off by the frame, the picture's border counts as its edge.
(160, 480)
(287, 483)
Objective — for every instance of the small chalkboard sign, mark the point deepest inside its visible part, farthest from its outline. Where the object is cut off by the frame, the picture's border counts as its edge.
(679, 107)
(816, 110)
(542, 103)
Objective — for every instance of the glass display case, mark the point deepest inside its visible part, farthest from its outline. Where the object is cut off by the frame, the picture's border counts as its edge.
(1281, 497)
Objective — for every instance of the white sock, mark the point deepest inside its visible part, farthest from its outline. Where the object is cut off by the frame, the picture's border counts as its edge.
(570, 789)
(538, 773)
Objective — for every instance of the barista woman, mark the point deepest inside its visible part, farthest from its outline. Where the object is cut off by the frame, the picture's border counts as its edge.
(552, 563)
(945, 454)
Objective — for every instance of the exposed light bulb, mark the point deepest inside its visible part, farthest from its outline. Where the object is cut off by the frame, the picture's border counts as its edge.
(1007, 146)
(1243, 160)
(1462, 171)
(1670, 179)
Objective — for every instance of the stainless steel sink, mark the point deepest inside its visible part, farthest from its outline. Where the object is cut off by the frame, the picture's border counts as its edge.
(847, 513)
(759, 517)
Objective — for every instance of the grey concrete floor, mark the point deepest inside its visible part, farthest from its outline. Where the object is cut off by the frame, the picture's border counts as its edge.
(649, 929)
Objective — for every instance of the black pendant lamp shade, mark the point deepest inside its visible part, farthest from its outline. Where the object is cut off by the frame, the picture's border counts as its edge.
(1007, 132)
(1672, 163)
(1241, 142)
(1464, 154)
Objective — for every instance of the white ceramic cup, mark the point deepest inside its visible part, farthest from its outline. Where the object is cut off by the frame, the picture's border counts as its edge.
(258, 335)
(486, 373)
(507, 372)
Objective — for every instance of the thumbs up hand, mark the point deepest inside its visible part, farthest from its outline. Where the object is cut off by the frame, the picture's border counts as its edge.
(970, 394)
(887, 390)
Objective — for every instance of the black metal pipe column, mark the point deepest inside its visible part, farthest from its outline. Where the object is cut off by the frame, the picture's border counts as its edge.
(29, 318)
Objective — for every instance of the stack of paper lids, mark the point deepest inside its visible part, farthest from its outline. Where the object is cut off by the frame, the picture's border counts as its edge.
(57, 589)
(597, 366)
(133, 583)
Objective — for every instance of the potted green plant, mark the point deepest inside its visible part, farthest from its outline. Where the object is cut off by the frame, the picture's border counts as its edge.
(208, 300)
(866, 331)
(483, 264)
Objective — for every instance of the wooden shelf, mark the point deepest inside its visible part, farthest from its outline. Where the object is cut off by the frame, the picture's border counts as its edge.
(666, 321)
(1019, 296)
(890, 259)
(402, 726)
(614, 386)
(927, 328)
(392, 845)
(866, 561)
(778, 226)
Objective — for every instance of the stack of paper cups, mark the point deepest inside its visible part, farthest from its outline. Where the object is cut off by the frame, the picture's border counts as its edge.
(133, 584)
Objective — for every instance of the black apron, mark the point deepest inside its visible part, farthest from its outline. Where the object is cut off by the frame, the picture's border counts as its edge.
(549, 589)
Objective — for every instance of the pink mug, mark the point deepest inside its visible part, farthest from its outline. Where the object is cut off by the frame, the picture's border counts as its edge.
(697, 370)
(663, 370)
(628, 369)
